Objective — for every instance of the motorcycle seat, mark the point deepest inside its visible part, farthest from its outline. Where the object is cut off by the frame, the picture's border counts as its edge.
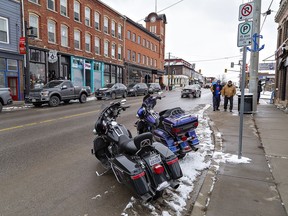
(144, 139)
(168, 112)
(127, 145)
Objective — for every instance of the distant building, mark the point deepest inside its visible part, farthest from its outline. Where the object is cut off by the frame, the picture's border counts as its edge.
(281, 77)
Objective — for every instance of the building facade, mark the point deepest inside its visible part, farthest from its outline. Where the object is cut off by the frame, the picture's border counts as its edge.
(281, 78)
(11, 62)
(78, 40)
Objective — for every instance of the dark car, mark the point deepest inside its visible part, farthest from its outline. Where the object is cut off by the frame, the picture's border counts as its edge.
(137, 89)
(111, 90)
(191, 90)
(154, 87)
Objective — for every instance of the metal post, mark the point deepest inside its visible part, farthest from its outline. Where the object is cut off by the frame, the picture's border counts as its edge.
(27, 68)
(168, 71)
(242, 103)
(254, 58)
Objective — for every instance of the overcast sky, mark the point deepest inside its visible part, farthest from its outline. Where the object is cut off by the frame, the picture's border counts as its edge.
(199, 30)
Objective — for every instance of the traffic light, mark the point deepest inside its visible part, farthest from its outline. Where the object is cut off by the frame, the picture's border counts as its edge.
(232, 64)
(225, 70)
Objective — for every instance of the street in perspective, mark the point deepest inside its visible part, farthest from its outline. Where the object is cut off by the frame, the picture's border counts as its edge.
(125, 109)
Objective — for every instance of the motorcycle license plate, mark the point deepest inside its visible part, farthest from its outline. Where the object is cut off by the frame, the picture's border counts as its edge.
(155, 159)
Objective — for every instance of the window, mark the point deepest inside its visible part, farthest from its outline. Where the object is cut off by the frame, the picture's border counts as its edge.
(155, 63)
(51, 4)
(139, 58)
(147, 44)
(133, 56)
(87, 42)
(4, 34)
(34, 23)
(64, 35)
(87, 16)
(143, 42)
(113, 26)
(106, 48)
(12, 65)
(77, 39)
(63, 7)
(139, 40)
(133, 37)
(143, 59)
(51, 31)
(153, 29)
(128, 35)
(97, 20)
(129, 55)
(120, 52)
(34, 1)
(120, 32)
(113, 50)
(106, 24)
(97, 45)
(76, 11)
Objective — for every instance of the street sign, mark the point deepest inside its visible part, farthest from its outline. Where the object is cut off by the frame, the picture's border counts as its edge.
(244, 34)
(246, 11)
(52, 56)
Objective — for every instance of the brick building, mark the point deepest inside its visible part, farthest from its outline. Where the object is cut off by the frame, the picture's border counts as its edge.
(87, 41)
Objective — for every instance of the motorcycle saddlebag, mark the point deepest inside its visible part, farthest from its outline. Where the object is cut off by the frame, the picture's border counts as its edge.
(163, 137)
(180, 123)
(132, 172)
(171, 160)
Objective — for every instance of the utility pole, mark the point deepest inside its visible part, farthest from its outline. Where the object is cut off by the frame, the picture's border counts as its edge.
(254, 57)
(168, 70)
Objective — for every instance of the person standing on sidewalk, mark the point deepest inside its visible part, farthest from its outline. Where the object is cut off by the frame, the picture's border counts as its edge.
(228, 92)
(216, 91)
(259, 90)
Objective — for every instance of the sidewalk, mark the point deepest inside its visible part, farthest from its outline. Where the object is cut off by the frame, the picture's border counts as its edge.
(256, 188)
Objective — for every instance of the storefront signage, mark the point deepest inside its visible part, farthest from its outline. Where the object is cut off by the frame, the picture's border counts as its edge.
(52, 56)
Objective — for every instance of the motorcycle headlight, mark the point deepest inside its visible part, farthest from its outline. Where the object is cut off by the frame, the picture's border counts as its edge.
(45, 93)
(132, 90)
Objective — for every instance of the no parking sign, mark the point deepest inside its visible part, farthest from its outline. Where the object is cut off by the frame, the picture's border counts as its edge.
(246, 11)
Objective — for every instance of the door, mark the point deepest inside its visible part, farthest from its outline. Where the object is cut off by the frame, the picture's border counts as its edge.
(13, 85)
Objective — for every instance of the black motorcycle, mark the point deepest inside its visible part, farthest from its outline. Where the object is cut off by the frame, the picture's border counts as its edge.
(145, 166)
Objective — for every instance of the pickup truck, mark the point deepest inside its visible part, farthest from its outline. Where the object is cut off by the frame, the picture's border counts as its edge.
(56, 91)
(5, 97)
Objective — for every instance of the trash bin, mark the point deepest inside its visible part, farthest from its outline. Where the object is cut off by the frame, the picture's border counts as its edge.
(248, 102)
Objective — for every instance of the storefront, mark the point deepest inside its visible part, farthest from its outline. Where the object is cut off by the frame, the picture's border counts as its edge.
(112, 74)
(10, 67)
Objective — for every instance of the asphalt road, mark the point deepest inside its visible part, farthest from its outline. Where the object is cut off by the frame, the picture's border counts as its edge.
(46, 167)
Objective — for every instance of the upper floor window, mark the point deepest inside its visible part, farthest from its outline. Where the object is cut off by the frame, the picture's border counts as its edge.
(51, 31)
(119, 52)
(120, 32)
(63, 7)
(106, 48)
(87, 16)
(113, 50)
(139, 58)
(133, 56)
(139, 40)
(34, 23)
(77, 11)
(113, 26)
(133, 37)
(64, 35)
(153, 29)
(129, 55)
(97, 20)
(4, 33)
(77, 39)
(88, 42)
(51, 4)
(106, 24)
(97, 45)
(34, 1)
(143, 42)
(128, 35)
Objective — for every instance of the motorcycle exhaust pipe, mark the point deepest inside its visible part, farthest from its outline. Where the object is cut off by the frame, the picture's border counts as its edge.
(194, 148)
(175, 185)
(147, 197)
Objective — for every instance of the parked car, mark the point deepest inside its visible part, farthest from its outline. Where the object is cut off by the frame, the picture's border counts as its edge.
(5, 97)
(56, 91)
(111, 90)
(191, 90)
(137, 89)
(154, 87)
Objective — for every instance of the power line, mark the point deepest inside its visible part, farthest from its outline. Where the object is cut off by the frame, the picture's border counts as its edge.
(268, 12)
(216, 59)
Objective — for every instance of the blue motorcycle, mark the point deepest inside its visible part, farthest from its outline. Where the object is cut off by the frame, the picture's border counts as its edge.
(172, 127)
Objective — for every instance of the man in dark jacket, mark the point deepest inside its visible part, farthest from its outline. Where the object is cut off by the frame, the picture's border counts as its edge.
(259, 90)
(216, 91)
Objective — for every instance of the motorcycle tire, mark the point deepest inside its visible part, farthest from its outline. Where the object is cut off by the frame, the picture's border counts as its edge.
(181, 155)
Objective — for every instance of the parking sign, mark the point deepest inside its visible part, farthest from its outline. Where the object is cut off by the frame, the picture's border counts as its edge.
(244, 34)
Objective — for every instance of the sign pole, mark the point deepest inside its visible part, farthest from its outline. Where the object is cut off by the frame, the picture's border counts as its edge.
(242, 102)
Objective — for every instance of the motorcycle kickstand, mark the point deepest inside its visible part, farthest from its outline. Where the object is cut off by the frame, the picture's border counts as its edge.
(101, 174)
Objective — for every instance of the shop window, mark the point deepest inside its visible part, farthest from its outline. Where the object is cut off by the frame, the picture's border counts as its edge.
(4, 34)
(12, 65)
(37, 55)
(97, 66)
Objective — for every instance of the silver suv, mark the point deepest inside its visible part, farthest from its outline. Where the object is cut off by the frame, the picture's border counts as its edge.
(5, 97)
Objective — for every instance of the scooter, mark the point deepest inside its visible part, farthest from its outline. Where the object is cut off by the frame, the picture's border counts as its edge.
(145, 166)
(173, 127)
